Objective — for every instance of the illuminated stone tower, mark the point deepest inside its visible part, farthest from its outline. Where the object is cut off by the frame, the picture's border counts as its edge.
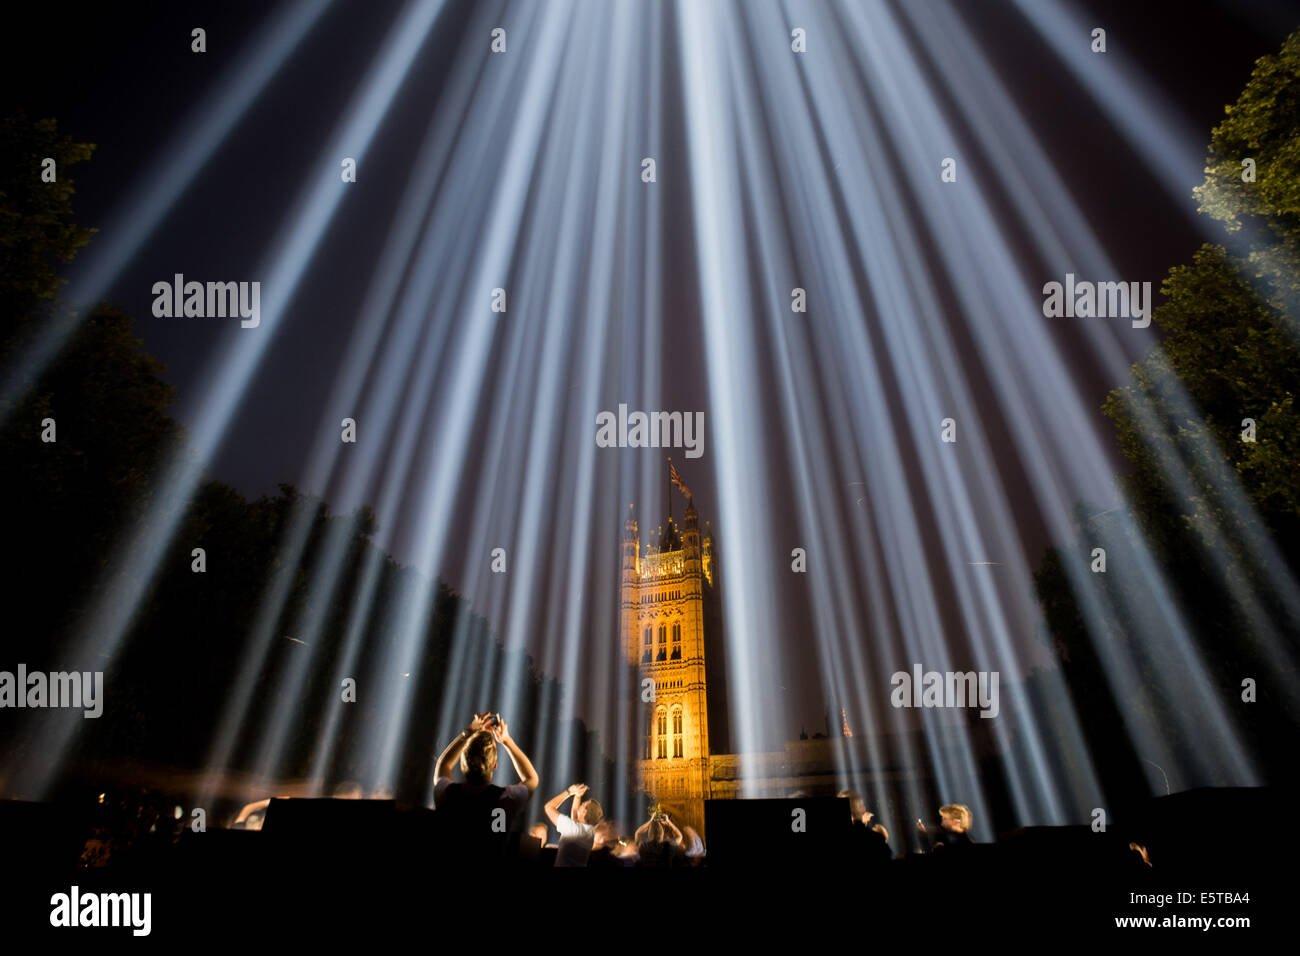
(669, 616)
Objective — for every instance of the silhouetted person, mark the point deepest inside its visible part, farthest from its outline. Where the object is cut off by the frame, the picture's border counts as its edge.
(577, 831)
(658, 842)
(474, 817)
(602, 850)
(868, 840)
(953, 829)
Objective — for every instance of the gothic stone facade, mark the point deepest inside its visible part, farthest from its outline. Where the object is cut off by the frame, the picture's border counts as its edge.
(670, 625)
(671, 632)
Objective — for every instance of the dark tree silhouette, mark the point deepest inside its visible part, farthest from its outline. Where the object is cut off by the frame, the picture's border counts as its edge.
(1230, 351)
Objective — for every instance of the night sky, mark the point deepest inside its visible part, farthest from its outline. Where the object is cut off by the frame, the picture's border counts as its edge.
(126, 80)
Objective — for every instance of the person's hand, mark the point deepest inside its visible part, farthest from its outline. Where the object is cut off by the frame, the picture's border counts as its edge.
(866, 817)
(480, 723)
(579, 790)
(500, 731)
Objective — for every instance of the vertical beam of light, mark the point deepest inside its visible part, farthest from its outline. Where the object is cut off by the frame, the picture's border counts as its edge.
(937, 495)
(966, 504)
(730, 353)
(537, 345)
(1150, 123)
(983, 323)
(642, 300)
(467, 365)
(1153, 129)
(496, 503)
(404, 378)
(1045, 206)
(294, 248)
(429, 167)
(811, 208)
(597, 243)
(276, 731)
(817, 491)
(165, 180)
(584, 226)
(521, 182)
(980, 297)
(970, 508)
(547, 264)
(392, 725)
(432, 162)
(325, 747)
(636, 59)
(1134, 106)
(614, 163)
(1015, 153)
(410, 371)
(1005, 135)
(636, 374)
(308, 222)
(1147, 119)
(921, 623)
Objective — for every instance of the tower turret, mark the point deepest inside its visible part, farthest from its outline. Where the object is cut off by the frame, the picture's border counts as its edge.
(691, 539)
(631, 547)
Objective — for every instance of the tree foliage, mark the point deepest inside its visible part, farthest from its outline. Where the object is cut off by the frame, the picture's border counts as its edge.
(1261, 126)
(37, 231)
(1219, 514)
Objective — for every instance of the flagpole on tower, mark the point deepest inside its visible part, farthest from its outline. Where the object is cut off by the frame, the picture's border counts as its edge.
(669, 487)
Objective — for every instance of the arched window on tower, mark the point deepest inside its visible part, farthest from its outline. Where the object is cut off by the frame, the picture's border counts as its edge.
(663, 643)
(677, 642)
(661, 734)
(677, 731)
(648, 646)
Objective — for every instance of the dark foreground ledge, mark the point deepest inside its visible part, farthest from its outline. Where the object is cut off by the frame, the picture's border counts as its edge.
(363, 869)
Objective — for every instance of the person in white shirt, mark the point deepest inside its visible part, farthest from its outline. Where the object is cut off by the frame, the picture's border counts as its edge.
(577, 832)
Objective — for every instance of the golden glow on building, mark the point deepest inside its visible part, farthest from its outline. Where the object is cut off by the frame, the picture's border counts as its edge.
(670, 613)
(663, 634)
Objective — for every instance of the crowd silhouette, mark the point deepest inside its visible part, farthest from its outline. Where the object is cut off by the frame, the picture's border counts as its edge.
(479, 822)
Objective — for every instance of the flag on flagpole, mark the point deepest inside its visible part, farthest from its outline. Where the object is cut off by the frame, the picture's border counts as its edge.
(677, 480)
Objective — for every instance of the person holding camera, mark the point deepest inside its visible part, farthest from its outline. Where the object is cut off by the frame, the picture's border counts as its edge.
(658, 841)
(474, 816)
(578, 830)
